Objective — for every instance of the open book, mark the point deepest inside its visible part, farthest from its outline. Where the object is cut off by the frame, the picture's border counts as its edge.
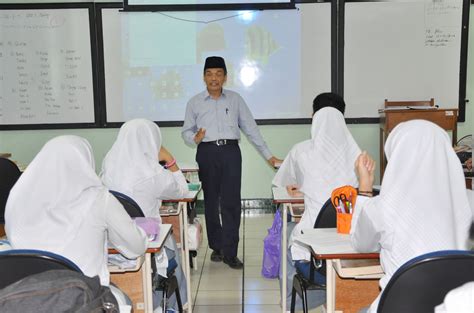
(359, 268)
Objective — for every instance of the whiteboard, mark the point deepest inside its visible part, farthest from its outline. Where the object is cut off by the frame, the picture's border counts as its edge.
(46, 72)
(401, 50)
(278, 61)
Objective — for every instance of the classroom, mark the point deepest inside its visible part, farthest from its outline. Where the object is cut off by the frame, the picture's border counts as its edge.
(349, 63)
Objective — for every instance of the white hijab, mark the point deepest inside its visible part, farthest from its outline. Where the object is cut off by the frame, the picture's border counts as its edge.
(53, 197)
(423, 193)
(328, 162)
(318, 166)
(133, 160)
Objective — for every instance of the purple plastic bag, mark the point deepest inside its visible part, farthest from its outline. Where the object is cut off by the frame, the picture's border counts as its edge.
(272, 249)
(150, 225)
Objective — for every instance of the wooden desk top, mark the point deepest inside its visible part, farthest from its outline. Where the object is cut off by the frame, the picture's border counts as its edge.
(156, 245)
(188, 167)
(326, 243)
(280, 195)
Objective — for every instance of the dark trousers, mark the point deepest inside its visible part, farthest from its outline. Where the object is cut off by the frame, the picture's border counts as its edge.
(220, 172)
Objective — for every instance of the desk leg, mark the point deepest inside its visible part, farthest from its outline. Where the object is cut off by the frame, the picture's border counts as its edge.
(147, 283)
(186, 264)
(330, 286)
(284, 248)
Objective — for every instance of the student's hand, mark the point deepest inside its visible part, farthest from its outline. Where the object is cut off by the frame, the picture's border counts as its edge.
(294, 191)
(164, 155)
(469, 164)
(365, 170)
(199, 135)
(275, 162)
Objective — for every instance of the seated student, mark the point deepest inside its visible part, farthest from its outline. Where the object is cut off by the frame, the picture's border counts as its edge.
(422, 206)
(317, 166)
(132, 167)
(60, 205)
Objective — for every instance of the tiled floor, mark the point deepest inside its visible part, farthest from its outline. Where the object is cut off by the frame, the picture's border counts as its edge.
(217, 288)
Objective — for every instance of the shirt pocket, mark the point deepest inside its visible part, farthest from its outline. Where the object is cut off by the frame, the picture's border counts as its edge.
(231, 118)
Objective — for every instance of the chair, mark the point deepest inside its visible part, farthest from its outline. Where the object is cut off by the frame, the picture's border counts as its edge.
(9, 174)
(410, 103)
(421, 284)
(132, 208)
(306, 277)
(18, 264)
(167, 285)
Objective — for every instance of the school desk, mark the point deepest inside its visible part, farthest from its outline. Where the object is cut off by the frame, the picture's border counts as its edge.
(183, 223)
(281, 197)
(137, 282)
(2, 230)
(346, 295)
(445, 118)
(190, 171)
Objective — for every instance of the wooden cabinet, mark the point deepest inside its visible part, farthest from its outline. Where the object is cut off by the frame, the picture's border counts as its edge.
(445, 118)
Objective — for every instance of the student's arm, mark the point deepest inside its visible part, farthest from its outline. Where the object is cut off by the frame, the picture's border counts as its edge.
(129, 239)
(364, 235)
(169, 185)
(366, 220)
(286, 174)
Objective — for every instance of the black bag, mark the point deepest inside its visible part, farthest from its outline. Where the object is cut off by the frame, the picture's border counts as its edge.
(57, 291)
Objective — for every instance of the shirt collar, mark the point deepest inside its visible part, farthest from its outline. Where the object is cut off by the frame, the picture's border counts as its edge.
(207, 96)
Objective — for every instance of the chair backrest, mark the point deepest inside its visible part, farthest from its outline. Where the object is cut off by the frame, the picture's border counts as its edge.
(422, 283)
(9, 174)
(18, 264)
(327, 216)
(410, 103)
(132, 208)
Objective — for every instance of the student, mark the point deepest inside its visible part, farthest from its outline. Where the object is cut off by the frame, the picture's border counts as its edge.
(132, 167)
(422, 206)
(316, 167)
(60, 205)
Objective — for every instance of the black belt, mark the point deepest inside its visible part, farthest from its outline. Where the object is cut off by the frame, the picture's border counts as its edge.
(222, 142)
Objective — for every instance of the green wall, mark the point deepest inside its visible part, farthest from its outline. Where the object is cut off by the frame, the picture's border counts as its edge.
(257, 175)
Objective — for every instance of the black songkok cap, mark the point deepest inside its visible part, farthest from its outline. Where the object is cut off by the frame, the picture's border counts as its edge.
(215, 62)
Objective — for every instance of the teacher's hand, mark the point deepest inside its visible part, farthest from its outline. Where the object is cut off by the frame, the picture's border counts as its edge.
(275, 162)
(199, 135)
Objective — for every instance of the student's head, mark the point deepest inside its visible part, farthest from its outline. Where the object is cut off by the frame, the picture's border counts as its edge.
(54, 194)
(133, 156)
(215, 73)
(328, 99)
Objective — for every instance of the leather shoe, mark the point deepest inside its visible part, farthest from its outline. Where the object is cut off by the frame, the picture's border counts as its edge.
(233, 262)
(216, 256)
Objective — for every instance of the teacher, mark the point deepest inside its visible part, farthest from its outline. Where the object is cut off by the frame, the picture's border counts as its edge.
(213, 122)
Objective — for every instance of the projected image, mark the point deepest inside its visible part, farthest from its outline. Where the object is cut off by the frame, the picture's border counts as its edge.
(163, 59)
(276, 60)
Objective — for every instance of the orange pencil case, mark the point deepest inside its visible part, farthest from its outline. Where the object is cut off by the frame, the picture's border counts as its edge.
(348, 194)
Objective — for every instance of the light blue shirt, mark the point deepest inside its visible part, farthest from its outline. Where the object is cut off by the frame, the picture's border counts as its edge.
(222, 118)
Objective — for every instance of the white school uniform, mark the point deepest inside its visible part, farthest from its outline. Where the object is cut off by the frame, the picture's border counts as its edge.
(459, 300)
(60, 205)
(319, 166)
(131, 167)
(422, 206)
